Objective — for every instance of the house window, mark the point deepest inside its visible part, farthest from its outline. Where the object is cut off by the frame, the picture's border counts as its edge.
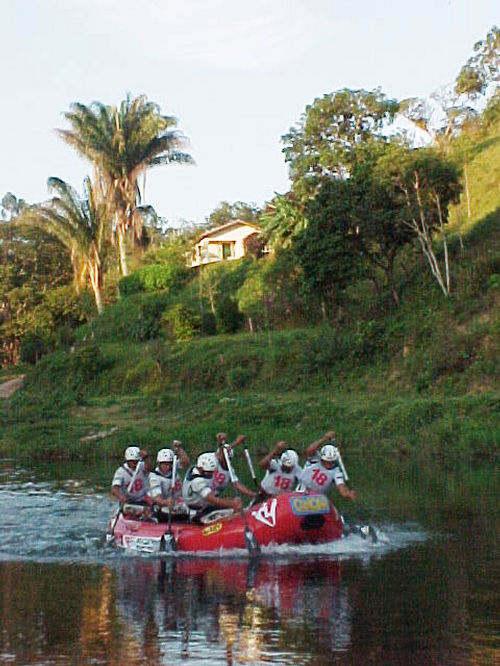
(227, 250)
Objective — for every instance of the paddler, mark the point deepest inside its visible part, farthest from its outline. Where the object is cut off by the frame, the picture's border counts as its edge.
(161, 492)
(222, 477)
(130, 481)
(323, 469)
(282, 473)
(197, 489)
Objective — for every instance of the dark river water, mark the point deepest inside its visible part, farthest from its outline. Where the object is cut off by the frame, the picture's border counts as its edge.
(426, 593)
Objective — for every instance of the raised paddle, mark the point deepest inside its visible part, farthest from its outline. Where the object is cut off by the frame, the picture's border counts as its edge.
(250, 541)
(251, 468)
(167, 544)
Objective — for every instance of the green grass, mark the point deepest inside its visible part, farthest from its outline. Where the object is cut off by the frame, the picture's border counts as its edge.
(446, 432)
(483, 173)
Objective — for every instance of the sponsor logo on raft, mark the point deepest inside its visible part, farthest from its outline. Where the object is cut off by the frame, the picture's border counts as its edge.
(212, 529)
(311, 505)
(267, 513)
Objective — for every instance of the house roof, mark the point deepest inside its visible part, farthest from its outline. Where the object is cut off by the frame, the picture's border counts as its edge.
(228, 225)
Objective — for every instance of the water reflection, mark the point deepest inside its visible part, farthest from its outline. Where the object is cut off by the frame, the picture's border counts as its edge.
(236, 608)
(147, 611)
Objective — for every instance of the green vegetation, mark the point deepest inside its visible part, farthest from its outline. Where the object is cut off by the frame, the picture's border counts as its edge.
(377, 313)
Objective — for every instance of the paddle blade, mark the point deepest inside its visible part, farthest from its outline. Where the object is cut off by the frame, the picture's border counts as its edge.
(168, 544)
(251, 542)
(368, 532)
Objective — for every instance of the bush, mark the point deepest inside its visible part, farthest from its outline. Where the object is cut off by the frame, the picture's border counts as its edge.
(208, 324)
(33, 346)
(87, 363)
(156, 277)
(228, 318)
(137, 318)
(180, 323)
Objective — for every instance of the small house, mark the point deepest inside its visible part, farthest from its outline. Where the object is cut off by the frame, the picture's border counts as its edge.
(224, 243)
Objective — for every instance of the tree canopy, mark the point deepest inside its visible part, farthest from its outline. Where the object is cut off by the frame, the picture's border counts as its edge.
(323, 144)
(122, 143)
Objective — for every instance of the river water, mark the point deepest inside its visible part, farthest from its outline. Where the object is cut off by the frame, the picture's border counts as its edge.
(424, 594)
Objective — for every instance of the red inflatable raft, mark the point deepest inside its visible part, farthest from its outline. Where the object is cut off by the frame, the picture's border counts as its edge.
(293, 518)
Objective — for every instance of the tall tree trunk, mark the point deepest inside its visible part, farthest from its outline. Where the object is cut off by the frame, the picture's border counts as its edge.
(467, 193)
(122, 249)
(425, 238)
(445, 245)
(96, 280)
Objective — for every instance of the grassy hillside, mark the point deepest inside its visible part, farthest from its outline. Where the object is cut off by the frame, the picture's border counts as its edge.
(483, 178)
(418, 382)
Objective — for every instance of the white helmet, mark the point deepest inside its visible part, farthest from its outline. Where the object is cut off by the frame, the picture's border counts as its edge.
(329, 453)
(132, 453)
(207, 462)
(165, 455)
(289, 458)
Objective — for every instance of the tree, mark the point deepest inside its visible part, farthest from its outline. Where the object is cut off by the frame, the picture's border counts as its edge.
(354, 229)
(11, 207)
(326, 249)
(324, 142)
(491, 114)
(424, 184)
(482, 68)
(79, 224)
(122, 144)
(283, 220)
(377, 230)
(32, 266)
(239, 210)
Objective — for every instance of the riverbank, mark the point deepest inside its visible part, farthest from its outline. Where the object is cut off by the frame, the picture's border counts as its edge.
(446, 431)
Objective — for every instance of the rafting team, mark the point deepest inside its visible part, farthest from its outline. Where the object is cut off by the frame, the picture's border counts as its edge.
(160, 492)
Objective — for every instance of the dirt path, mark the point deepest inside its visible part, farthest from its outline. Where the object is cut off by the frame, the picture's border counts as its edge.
(10, 387)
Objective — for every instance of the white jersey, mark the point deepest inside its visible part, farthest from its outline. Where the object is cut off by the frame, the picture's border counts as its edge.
(124, 475)
(160, 485)
(220, 479)
(276, 481)
(317, 478)
(195, 489)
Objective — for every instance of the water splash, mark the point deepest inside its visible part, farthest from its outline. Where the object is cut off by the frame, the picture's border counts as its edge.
(44, 524)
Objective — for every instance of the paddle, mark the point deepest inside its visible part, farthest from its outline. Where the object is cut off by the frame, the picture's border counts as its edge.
(168, 544)
(250, 540)
(251, 468)
(110, 534)
(364, 530)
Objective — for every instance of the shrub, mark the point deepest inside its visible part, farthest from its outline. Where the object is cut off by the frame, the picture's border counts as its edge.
(180, 323)
(228, 318)
(88, 362)
(33, 346)
(208, 324)
(156, 277)
(137, 318)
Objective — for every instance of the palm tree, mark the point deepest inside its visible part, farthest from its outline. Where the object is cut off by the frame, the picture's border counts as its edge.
(79, 224)
(122, 143)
